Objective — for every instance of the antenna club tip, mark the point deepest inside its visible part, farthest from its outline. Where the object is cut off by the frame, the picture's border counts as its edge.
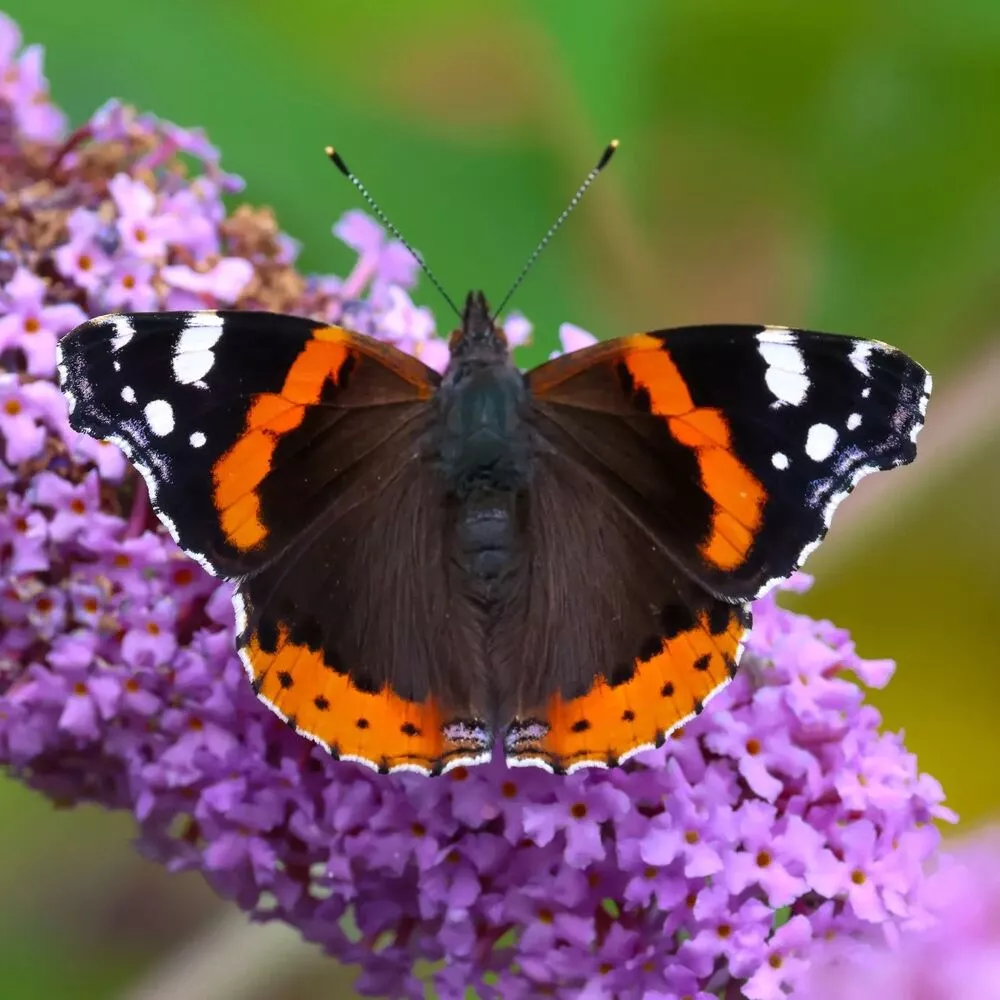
(337, 161)
(607, 154)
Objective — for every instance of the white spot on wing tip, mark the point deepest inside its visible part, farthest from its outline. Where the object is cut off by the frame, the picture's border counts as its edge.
(820, 442)
(193, 356)
(192, 367)
(197, 439)
(128, 394)
(777, 335)
(854, 421)
(124, 330)
(160, 417)
(859, 356)
(786, 367)
(779, 460)
(205, 318)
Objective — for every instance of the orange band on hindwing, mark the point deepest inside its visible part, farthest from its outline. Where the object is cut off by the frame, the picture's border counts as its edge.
(612, 721)
(377, 728)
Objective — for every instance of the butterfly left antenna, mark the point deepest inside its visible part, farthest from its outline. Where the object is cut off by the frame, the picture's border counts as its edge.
(338, 162)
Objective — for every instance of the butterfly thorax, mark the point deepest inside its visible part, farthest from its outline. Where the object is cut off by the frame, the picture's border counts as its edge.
(483, 451)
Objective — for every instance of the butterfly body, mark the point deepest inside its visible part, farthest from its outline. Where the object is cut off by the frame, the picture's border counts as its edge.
(563, 560)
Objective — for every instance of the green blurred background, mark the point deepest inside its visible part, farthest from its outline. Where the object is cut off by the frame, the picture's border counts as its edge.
(834, 166)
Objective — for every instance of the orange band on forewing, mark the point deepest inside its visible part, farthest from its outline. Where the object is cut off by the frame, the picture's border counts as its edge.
(320, 359)
(242, 468)
(241, 522)
(237, 475)
(701, 428)
(653, 369)
(736, 493)
(739, 504)
(275, 414)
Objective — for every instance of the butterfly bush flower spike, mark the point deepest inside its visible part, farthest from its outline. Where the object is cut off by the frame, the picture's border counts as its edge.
(712, 866)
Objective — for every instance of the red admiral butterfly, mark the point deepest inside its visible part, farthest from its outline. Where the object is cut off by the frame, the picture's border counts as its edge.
(564, 557)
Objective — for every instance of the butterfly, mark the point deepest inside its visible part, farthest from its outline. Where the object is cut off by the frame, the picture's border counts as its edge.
(562, 560)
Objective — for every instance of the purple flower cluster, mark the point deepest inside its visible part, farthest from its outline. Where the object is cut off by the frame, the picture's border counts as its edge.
(27, 113)
(709, 867)
(956, 958)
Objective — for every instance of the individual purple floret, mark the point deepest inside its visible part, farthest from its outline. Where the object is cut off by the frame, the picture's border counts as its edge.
(709, 867)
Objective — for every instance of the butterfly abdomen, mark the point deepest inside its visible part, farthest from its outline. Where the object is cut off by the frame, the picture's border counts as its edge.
(483, 455)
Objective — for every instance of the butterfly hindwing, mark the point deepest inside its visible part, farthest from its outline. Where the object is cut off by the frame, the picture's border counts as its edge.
(733, 445)
(286, 455)
(374, 727)
(608, 644)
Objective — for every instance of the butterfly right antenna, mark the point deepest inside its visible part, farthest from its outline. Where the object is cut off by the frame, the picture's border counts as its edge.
(554, 228)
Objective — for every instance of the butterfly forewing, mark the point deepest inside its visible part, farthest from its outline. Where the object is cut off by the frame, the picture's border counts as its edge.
(733, 445)
(286, 454)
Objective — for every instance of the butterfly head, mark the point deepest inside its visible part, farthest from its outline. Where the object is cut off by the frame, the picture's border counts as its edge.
(478, 338)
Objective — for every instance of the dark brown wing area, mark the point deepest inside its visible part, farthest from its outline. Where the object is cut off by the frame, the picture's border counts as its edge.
(366, 578)
(359, 633)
